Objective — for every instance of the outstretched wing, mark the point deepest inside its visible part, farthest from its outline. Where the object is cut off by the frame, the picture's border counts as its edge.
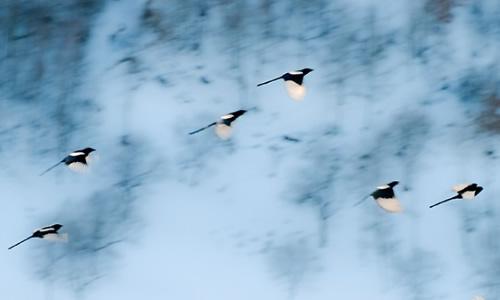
(459, 187)
(296, 76)
(231, 117)
(386, 199)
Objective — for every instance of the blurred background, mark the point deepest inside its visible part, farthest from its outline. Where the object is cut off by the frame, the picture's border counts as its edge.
(401, 90)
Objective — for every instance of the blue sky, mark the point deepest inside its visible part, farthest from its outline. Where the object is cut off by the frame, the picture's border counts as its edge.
(402, 91)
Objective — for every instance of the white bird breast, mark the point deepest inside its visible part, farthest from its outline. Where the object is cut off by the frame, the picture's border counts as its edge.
(294, 90)
(78, 167)
(223, 131)
(469, 195)
(63, 237)
(391, 205)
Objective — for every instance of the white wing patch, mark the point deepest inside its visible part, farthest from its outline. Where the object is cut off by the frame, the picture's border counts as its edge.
(460, 187)
(223, 131)
(295, 91)
(391, 205)
(78, 167)
(44, 230)
(382, 187)
(295, 73)
(76, 153)
(56, 237)
(225, 117)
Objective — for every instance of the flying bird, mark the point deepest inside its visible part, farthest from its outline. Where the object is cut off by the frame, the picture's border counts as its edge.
(76, 160)
(466, 191)
(48, 233)
(385, 198)
(223, 127)
(293, 83)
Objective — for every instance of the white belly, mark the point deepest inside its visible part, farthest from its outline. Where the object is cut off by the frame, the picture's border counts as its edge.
(391, 205)
(78, 167)
(56, 237)
(295, 91)
(468, 195)
(223, 131)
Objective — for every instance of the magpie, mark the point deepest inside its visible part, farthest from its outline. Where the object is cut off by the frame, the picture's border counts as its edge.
(48, 233)
(385, 198)
(223, 125)
(76, 160)
(293, 83)
(466, 191)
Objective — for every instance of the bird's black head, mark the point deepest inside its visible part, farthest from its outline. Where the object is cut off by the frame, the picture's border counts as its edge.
(393, 183)
(237, 113)
(478, 190)
(88, 150)
(306, 70)
(56, 226)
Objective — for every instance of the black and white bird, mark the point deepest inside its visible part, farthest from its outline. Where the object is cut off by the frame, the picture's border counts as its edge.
(47, 233)
(77, 160)
(385, 198)
(223, 126)
(294, 83)
(466, 191)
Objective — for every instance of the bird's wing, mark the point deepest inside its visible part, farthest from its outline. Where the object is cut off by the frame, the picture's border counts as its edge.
(457, 188)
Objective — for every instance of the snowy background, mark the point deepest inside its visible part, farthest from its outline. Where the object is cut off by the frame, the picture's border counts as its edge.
(401, 90)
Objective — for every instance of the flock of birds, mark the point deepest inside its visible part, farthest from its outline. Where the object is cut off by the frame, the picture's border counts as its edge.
(384, 195)
(79, 160)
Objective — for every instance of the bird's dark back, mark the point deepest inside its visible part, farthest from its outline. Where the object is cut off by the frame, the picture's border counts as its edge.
(297, 78)
(383, 193)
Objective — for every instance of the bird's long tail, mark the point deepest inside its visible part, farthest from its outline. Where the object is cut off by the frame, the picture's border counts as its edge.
(51, 168)
(446, 200)
(201, 129)
(362, 200)
(17, 244)
(277, 78)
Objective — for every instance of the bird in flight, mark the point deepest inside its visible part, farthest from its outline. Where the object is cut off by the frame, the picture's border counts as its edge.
(293, 82)
(76, 160)
(466, 191)
(48, 233)
(223, 127)
(385, 198)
